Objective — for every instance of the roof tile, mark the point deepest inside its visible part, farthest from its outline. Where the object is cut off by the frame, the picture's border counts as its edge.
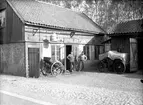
(131, 26)
(48, 14)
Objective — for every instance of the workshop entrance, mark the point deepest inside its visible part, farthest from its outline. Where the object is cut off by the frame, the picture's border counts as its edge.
(68, 51)
(140, 53)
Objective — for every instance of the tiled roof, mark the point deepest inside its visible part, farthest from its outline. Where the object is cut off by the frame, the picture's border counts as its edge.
(131, 26)
(49, 15)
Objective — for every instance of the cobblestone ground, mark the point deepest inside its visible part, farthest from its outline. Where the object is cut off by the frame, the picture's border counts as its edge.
(84, 88)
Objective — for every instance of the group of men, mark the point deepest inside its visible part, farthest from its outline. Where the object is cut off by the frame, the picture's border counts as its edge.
(76, 61)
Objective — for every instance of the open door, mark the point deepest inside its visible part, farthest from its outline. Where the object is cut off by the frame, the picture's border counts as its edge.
(133, 55)
(68, 51)
(140, 53)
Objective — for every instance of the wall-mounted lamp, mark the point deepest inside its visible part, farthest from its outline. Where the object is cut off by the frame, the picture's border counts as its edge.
(72, 34)
(34, 31)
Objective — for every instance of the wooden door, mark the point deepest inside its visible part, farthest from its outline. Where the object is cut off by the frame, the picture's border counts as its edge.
(133, 56)
(140, 53)
(33, 62)
(97, 52)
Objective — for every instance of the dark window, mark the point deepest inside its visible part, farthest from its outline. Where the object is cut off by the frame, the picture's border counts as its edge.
(99, 49)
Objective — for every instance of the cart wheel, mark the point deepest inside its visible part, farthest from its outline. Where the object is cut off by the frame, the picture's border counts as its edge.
(56, 68)
(44, 70)
(101, 66)
(109, 64)
(118, 67)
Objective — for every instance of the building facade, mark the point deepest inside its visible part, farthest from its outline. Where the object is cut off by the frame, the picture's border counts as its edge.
(31, 30)
(127, 37)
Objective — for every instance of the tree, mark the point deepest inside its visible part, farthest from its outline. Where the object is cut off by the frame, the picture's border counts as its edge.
(106, 13)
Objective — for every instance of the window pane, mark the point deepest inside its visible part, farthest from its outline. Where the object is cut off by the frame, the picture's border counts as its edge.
(58, 52)
(53, 51)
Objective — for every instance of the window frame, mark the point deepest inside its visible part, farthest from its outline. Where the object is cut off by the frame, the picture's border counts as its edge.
(55, 52)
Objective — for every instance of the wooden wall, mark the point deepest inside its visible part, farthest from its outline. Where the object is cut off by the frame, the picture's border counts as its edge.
(127, 45)
(34, 34)
(12, 32)
(122, 43)
(34, 37)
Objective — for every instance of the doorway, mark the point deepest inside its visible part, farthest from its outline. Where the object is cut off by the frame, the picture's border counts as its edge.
(33, 62)
(68, 51)
(140, 53)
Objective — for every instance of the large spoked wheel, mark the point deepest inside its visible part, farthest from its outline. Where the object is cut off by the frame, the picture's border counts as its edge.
(56, 68)
(101, 66)
(118, 67)
(44, 70)
(109, 63)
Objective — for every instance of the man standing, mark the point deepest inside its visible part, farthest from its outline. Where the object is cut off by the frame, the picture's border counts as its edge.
(71, 58)
(81, 60)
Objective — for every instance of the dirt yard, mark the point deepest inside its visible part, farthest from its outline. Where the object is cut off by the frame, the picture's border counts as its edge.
(79, 88)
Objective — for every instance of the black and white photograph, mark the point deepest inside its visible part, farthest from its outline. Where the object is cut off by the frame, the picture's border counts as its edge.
(71, 52)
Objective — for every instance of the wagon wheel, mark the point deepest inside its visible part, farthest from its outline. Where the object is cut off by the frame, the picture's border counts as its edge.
(101, 66)
(118, 66)
(109, 64)
(56, 68)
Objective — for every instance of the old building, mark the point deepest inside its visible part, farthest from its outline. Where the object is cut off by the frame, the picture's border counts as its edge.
(32, 29)
(127, 37)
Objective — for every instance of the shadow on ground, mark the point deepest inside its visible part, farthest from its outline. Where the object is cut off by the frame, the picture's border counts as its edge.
(137, 74)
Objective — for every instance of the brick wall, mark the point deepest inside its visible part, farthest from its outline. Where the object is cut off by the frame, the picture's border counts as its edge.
(12, 60)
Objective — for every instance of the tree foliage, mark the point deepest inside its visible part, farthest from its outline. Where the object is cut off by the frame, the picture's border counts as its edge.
(105, 13)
